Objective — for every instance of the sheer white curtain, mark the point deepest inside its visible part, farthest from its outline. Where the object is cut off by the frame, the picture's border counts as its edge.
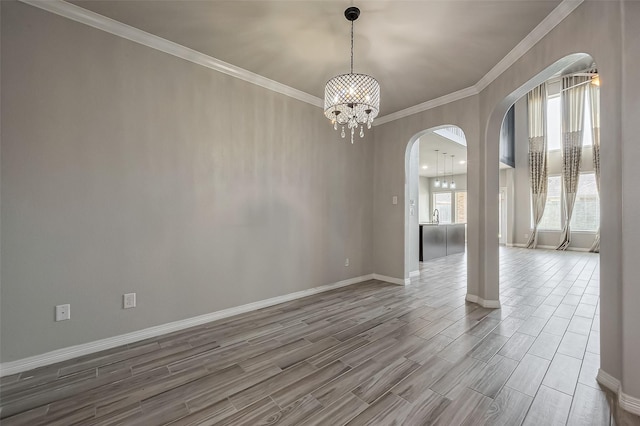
(537, 110)
(594, 97)
(572, 99)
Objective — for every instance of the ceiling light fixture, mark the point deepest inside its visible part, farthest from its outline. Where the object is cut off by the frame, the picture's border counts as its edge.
(453, 182)
(445, 184)
(436, 183)
(463, 162)
(425, 167)
(352, 99)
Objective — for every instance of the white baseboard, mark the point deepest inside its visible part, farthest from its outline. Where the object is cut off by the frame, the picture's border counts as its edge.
(491, 304)
(25, 364)
(625, 401)
(414, 274)
(549, 247)
(392, 280)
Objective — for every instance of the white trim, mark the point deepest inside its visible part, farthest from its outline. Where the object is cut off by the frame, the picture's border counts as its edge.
(608, 381)
(584, 250)
(392, 280)
(414, 274)
(625, 401)
(629, 403)
(433, 103)
(95, 20)
(24, 364)
(491, 304)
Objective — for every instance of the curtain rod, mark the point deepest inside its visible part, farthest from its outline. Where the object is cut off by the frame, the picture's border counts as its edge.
(576, 85)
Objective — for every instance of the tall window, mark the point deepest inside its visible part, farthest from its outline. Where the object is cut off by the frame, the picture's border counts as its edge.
(554, 123)
(442, 202)
(586, 211)
(461, 207)
(552, 218)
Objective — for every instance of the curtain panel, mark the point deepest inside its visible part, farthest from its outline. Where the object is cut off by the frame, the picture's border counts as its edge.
(572, 98)
(594, 106)
(537, 112)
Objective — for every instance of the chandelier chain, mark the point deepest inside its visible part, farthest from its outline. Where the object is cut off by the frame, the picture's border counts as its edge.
(351, 47)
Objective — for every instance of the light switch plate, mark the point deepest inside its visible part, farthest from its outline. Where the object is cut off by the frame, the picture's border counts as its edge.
(395, 199)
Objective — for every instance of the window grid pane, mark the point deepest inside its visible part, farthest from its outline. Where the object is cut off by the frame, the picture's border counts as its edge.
(552, 217)
(586, 211)
(442, 202)
(554, 127)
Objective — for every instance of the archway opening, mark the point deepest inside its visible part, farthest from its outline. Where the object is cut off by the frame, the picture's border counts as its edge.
(436, 207)
(545, 233)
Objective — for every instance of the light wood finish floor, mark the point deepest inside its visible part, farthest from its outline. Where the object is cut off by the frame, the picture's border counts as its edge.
(371, 353)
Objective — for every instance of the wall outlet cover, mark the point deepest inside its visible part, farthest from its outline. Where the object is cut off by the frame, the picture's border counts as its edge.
(63, 312)
(346, 262)
(129, 301)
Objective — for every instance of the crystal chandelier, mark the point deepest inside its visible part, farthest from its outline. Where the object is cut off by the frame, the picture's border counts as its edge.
(352, 99)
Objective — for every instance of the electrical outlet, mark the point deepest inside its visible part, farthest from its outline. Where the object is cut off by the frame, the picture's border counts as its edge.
(346, 262)
(129, 300)
(63, 312)
(394, 200)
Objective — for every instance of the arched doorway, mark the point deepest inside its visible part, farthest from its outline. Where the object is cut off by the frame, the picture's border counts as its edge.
(436, 197)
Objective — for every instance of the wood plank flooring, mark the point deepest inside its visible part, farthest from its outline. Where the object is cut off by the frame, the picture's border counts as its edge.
(367, 354)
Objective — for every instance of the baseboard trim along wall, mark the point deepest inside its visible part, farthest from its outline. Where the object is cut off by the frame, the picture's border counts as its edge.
(25, 364)
(582, 249)
(625, 401)
(414, 274)
(392, 280)
(491, 304)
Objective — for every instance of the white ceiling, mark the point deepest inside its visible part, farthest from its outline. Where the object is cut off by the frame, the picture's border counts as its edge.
(418, 50)
(429, 142)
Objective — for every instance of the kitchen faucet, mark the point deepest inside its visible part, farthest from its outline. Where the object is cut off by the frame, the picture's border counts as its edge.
(435, 218)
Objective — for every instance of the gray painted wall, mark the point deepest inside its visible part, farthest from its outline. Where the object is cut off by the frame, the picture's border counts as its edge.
(128, 170)
(630, 177)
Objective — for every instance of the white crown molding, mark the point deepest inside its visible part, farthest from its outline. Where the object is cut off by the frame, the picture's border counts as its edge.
(491, 304)
(95, 20)
(13, 367)
(392, 280)
(625, 401)
(442, 100)
(79, 14)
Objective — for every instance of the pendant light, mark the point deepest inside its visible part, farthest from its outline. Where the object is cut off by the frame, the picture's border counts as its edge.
(453, 183)
(445, 184)
(436, 183)
(352, 99)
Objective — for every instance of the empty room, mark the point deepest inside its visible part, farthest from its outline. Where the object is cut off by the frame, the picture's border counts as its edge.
(317, 212)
